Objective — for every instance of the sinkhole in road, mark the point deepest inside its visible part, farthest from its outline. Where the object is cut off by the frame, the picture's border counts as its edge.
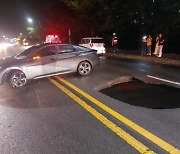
(138, 93)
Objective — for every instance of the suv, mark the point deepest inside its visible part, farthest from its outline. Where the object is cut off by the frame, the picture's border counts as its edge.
(96, 43)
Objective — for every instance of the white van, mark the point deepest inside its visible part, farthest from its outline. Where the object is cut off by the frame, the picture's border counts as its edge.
(96, 43)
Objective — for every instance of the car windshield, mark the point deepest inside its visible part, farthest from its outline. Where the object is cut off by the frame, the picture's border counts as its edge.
(97, 41)
(27, 52)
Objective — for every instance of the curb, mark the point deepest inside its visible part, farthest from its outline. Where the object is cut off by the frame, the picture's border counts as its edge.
(145, 58)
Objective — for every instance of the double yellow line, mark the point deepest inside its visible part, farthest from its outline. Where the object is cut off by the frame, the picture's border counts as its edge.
(121, 133)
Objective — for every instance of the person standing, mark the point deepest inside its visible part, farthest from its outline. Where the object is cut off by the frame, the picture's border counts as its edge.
(143, 47)
(160, 45)
(157, 44)
(149, 43)
(115, 43)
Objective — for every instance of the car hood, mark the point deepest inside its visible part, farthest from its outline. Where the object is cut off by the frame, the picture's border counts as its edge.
(12, 61)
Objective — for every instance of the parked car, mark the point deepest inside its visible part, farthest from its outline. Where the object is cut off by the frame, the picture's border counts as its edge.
(47, 60)
(25, 42)
(96, 43)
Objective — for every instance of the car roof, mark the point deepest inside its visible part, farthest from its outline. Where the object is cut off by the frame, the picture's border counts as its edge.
(47, 44)
(93, 38)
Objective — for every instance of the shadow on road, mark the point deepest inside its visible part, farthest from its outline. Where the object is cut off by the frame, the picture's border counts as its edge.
(36, 94)
(39, 93)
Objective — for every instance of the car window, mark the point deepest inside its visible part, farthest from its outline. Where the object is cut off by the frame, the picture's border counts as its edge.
(47, 51)
(97, 41)
(65, 48)
(85, 41)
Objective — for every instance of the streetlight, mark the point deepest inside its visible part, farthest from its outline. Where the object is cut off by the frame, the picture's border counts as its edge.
(30, 20)
(30, 27)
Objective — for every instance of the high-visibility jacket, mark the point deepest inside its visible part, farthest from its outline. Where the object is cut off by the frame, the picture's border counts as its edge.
(114, 40)
(149, 41)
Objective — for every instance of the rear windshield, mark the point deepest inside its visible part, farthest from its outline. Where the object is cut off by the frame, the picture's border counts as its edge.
(85, 41)
(97, 41)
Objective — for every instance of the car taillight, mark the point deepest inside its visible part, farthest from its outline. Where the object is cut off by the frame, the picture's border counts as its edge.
(91, 45)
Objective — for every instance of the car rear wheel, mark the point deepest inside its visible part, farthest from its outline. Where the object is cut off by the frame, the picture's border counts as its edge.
(84, 68)
(17, 79)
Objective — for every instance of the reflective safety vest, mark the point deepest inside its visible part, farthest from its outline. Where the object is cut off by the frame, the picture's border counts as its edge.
(115, 40)
(149, 41)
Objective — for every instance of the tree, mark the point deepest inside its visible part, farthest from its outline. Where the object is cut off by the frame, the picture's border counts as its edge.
(130, 19)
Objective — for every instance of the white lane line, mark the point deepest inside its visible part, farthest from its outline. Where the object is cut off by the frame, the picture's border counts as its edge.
(169, 81)
(102, 57)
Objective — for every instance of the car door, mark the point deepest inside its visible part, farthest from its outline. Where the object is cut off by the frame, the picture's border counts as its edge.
(67, 58)
(43, 62)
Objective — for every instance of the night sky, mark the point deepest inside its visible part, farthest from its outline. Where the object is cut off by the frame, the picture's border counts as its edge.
(14, 13)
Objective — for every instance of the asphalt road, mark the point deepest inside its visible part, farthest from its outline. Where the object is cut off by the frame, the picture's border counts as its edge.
(49, 116)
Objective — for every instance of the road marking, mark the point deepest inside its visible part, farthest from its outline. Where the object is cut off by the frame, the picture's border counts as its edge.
(103, 57)
(120, 132)
(169, 81)
(161, 143)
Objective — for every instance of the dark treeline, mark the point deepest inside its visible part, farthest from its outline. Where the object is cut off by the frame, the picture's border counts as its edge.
(129, 19)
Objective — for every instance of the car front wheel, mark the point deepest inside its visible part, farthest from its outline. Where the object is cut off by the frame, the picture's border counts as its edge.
(17, 79)
(84, 68)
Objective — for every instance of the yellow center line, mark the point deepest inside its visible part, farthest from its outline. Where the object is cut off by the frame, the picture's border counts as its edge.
(161, 143)
(120, 132)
